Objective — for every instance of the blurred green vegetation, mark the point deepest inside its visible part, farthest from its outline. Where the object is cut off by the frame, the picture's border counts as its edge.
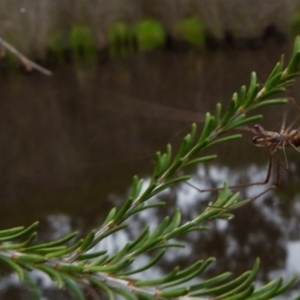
(191, 30)
(296, 23)
(150, 34)
(120, 38)
(82, 43)
(55, 46)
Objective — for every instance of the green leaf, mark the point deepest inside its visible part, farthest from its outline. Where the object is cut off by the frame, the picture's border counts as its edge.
(272, 83)
(225, 139)
(54, 275)
(110, 217)
(206, 129)
(210, 282)
(267, 291)
(64, 252)
(239, 283)
(69, 268)
(276, 71)
(44, 251)
(140, 239)
(136, 187)
(268, 103)
(218, 113)
(250, 99)
(288, 80)
(232, 200)
(283, 289)
(19, 246)
(157, 169)
(126, 294)
(174, 293)
(145, 267)
(244, 121)
(21, 233)
(12, 266)
(166, 158)
(144, 296)
(33, 287)
(99, 261)
(160, 229)
(143, 206)
(241, 96)
(73, 287)
(87, 242)
(102, 287)
(170, 183)
(164, 245)
(123, 210)
(242, 295)
(190, 273)
(111, 231)
(175, 222)
(111, 268)
(294, 62)
(12, 231)
(121, 254)
(239, 204)
(30, 258)
(232, 109)
(252, 88)
(200, 160)
(271, 92)
(185, 146)
(52, 244)
(165, 279)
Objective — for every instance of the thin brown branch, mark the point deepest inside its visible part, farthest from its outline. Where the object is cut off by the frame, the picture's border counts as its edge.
(29, 65)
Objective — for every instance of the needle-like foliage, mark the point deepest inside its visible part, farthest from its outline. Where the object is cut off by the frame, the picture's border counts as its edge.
(78, 267)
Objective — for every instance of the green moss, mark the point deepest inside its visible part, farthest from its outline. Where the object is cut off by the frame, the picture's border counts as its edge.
(82, 43)
(191, 30)
(150, 34)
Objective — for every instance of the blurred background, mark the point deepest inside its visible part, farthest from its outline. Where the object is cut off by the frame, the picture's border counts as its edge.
(128, 78)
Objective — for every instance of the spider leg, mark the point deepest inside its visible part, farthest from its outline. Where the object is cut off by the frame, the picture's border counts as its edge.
(266, 181)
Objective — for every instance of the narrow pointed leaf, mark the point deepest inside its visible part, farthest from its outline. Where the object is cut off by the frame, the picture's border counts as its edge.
(53, 274)
(87, 256)
(64, 251)
(74, 288)
(268, 103)
(33, 287)
(210, 282)
(158, 281)
(200, 160)
(225, 139)
(21, 233)
(145, 267)
(12, 266)
(102, 287)
(54, 243)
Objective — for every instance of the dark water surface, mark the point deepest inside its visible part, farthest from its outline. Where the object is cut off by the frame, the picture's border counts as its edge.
(71, 143)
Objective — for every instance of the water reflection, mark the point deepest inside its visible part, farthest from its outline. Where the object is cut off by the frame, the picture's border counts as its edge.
(265, 228)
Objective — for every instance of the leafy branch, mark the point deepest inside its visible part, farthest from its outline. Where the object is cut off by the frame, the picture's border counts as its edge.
(79, 266)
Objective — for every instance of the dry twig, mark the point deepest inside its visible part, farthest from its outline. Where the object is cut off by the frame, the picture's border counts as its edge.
(29, 65)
